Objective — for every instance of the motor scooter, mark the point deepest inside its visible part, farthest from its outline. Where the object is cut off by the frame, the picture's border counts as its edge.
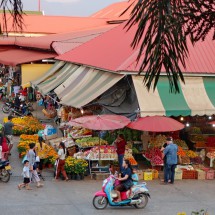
(5, 171)
(138, 197)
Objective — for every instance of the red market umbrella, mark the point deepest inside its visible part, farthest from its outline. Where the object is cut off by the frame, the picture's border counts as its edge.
(101, 122)
(212, 123)
(156, 124)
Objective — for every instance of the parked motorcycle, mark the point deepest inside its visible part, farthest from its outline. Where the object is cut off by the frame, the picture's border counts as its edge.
(5, 171)
(22, 111)
(138, 198)
(7, 106)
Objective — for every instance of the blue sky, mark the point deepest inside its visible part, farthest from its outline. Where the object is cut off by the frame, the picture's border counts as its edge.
(68, 7)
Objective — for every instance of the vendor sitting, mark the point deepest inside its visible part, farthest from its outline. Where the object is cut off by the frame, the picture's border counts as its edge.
(125, 179)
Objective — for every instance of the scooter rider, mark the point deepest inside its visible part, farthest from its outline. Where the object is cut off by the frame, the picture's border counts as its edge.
(125, 179)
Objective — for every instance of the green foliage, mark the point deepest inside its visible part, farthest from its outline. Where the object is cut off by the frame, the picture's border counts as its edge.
(163, 27)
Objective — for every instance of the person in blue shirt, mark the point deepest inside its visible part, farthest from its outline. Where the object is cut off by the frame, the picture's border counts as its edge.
(170, 152)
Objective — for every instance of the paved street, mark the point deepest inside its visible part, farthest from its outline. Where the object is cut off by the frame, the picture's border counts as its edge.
(75, 197)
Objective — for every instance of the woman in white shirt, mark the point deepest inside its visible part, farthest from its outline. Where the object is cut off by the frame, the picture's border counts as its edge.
(61, 162)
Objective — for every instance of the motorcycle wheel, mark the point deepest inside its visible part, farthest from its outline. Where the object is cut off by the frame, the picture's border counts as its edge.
(5, 176)
(5, 109)
(144, 201)
(100, 202)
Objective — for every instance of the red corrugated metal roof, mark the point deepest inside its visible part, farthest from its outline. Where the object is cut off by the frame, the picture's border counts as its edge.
(61, 43)
(112, 51)
(54, 24)
(16, 56)
(113, 11)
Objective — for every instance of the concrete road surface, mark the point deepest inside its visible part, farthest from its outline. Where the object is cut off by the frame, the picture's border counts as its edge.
(75, 197)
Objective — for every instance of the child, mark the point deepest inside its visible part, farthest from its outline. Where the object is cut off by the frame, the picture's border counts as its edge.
(135, 176)
(26, 175)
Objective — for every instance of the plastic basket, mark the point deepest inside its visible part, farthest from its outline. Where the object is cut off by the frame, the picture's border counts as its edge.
(188, 174)
(210, 174)
(178, 174)
(147, 176)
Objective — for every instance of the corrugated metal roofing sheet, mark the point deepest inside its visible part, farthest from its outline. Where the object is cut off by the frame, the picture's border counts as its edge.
(54, 24)
(15, 56)
(114, 11)
(61, 43)
(112, 51)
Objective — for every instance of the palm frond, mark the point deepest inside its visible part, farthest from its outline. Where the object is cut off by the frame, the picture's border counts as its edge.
(15, 8)
(163, 27)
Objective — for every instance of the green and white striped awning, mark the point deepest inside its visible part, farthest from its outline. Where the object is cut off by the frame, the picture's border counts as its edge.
(196, 97)
(57, 79)
(84, 85)
(56, 66)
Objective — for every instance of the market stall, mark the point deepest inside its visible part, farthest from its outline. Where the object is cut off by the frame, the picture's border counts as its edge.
(100, 153)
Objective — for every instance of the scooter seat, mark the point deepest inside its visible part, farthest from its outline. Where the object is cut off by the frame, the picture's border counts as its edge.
(3, 163)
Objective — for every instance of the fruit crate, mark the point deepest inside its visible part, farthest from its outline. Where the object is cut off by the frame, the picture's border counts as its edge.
(188, 174)
(155, 174)
(178, 174)
(147, 176)
(140, 174)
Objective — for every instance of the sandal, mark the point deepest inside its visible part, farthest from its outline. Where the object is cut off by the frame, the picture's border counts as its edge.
(19, 187)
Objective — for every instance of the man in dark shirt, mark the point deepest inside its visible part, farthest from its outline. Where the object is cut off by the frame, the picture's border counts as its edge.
(8, 131)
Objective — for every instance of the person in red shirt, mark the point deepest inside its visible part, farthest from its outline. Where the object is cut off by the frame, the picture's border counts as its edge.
(120, 144)
(4, 145)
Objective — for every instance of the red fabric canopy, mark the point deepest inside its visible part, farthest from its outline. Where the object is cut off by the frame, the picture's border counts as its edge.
(212, 123)
(101, 123)
(15, 56)
(156, 124)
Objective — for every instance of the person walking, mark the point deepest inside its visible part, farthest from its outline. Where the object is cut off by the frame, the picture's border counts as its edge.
(120, 144)
(26, 176)
(41, 149)
(4, 148)
(8, 132)
(171, 161)
(61, 162)
(31, 156)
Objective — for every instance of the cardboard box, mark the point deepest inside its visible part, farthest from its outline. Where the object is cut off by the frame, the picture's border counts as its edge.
(140, 174)
(200, 175)
(100, 176)
(55, 142)
(50, 137)
(178, 174)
